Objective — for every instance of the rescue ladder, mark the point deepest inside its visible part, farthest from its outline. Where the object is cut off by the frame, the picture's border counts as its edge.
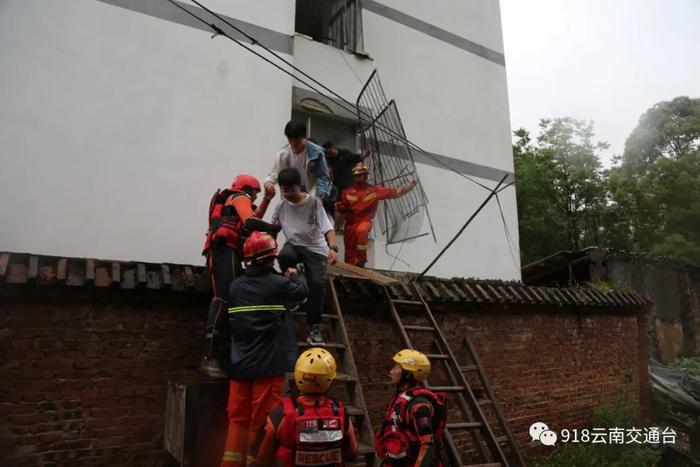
(492, 449)
(350, 390)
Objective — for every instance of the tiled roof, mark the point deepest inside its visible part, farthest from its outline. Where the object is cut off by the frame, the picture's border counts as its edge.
(40, 270)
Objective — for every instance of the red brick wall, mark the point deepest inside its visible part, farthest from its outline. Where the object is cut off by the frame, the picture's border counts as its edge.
(543, 364)
(83, 377)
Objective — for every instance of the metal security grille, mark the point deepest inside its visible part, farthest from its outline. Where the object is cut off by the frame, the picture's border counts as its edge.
(345, 27)
(391, 164)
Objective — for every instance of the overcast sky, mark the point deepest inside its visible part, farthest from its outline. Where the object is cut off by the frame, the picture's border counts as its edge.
(601, 60)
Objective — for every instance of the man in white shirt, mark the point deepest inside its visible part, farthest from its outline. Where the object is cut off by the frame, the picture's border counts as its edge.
(307, 157)
(310, 240)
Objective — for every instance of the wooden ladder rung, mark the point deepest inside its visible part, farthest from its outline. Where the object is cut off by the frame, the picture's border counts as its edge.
(411, 327)
(484, 402)
(407, 302)
(468, 368)
(363, 449)
(437, 356)
(447, 388)
(330, 345)
(354, 411)
(338, 377)
(463, 425)
(492, 464)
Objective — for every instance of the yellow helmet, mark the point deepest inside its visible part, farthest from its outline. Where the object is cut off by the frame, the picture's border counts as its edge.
(360, 169)
(314, 371)
(414, 362)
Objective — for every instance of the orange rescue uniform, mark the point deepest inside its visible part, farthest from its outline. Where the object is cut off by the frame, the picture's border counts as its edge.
(359, 204)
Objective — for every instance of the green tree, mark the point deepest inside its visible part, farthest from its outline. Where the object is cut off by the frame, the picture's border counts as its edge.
(560, 187)
(655, 185)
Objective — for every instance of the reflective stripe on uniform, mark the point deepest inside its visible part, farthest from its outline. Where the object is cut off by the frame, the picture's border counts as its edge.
(238, 309)
(351, 197)
(361, 247)
(369, 197)
(232, 456)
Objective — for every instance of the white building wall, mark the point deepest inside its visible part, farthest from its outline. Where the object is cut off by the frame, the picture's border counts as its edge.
(116, 125)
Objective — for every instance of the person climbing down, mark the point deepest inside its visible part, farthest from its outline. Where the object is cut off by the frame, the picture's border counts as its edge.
(305, 156)
(411, 433)
(232, 216)
(263, 343)
(310, 240)
(358, 204)
(309, 428)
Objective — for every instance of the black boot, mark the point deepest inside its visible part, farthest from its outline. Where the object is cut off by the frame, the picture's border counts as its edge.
(210, 365)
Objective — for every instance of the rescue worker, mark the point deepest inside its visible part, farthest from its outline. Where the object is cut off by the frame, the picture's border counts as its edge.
(411, 433)
(358, 204)
(309, 428)
(263, 342)
(232, 215)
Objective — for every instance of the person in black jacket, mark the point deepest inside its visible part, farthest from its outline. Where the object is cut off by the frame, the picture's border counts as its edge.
(263, 342)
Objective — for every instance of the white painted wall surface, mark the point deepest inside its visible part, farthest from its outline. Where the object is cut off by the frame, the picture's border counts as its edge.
(452, 102)
(476, 20)
(116, 127)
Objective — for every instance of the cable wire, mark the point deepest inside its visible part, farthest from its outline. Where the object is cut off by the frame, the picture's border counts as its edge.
(353, 107)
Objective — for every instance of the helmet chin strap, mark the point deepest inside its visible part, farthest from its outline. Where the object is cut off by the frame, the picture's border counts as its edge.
(405, 381)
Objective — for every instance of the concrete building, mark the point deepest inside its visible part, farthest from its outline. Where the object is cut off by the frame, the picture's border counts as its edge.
(119, 118)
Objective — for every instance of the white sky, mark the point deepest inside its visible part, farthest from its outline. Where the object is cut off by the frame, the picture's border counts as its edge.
(601, 60)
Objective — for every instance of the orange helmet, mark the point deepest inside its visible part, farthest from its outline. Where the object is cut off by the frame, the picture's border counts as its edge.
(243, 181)
(259, 246)
(360, 169)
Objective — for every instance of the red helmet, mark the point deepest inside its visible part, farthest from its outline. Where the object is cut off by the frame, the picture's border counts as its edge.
(243, 181)
(258, 246)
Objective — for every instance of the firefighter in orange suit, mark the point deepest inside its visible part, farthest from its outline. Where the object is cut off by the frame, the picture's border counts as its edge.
(411, 434)
(308, 429)
(359, 205)
(263, 342)
(232, 216)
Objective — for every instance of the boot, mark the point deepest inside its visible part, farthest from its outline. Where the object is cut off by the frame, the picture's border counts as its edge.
(315, 337)
(210, 365)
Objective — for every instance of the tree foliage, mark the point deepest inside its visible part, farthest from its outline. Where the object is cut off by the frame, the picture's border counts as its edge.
(560, 187)
(648, 202)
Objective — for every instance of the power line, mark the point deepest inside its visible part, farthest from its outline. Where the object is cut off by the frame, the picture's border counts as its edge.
(353, 108)
(471, 218)
(343, 104)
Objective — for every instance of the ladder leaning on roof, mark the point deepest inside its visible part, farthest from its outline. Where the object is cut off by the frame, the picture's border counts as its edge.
(347, 374)
(492, 450)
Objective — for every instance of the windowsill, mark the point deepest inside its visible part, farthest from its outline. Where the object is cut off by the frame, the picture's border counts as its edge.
(358, 53)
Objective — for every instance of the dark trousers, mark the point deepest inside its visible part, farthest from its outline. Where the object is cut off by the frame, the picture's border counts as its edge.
(224, 266)
(315, 271)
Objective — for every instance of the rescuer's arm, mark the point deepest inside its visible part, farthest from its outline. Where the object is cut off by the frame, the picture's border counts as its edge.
(262, 209)
(271, 178)
(296, 290)
(265, 444)
(421, 415)
(399, 192)
(350, 442)
(244, 208)
(340, 208)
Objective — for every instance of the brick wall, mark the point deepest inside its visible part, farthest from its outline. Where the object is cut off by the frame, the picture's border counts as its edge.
(83, 376)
